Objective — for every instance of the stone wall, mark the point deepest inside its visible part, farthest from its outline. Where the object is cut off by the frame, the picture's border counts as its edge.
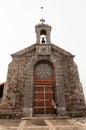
(14, 89)
(74, 96)
(18, 93)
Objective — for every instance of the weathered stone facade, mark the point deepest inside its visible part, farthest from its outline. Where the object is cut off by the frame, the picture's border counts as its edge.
(18, 95)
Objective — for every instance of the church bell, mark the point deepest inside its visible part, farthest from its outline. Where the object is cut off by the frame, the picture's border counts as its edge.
(43, 40)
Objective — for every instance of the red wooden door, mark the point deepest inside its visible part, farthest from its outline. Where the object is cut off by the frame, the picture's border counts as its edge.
(42, 99)
(43, 88)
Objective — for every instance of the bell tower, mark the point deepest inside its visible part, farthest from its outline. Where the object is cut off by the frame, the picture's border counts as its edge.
(43, 33)
(43, 42)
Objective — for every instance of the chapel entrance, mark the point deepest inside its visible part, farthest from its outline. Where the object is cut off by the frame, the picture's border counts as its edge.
(44, 88)
(42, 99)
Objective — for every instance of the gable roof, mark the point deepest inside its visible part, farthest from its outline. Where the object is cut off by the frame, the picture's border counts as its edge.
(33, 47)
(24, 51)
(62, 51)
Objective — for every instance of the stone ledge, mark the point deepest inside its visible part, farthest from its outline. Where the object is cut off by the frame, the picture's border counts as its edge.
(11, 115)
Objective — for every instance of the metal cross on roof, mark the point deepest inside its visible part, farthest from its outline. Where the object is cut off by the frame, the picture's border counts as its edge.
(42, 20)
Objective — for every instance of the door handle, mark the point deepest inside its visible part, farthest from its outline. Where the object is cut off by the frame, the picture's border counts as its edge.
(39, 100)
(49, 99)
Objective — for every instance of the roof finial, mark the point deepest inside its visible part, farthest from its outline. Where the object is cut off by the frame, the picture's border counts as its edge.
(42, 20)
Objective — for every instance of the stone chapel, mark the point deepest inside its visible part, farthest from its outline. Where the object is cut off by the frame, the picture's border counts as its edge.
(38, 74)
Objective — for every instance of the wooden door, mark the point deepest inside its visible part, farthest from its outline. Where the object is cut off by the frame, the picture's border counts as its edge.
(42, 99)
(43, 87)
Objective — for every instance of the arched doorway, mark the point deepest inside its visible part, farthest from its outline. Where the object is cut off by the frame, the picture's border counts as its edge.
(44, 87)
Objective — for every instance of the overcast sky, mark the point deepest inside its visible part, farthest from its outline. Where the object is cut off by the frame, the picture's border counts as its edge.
(17, 29)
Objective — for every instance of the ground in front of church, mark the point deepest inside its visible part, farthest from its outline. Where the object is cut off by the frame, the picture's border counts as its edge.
(39, 123)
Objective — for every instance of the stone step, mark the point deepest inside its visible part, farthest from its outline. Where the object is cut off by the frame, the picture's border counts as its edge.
(33, 128)
(48, 128)
(66, 128)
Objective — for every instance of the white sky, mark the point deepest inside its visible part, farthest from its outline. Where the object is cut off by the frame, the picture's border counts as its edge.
(17, 29)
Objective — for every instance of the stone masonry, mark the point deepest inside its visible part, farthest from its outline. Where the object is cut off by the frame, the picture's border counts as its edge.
(18, 95)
